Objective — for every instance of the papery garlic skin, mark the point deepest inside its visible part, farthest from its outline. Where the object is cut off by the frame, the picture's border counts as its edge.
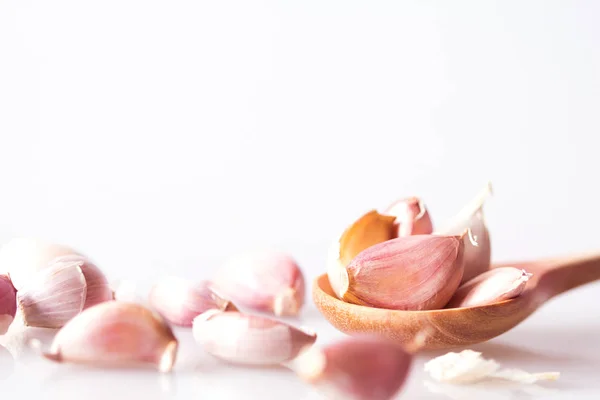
(491, 287)
(249, 339)
(418, 272)
(478, 250)
(8, 303)
(355, 369)
(62, 290)
(180, 301)
(263, 281)
(116, 333)
(412, 217)
(22, 258)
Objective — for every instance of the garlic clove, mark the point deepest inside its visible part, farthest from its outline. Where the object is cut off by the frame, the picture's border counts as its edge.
(355, 369)
(21, 258)
(62, 290)
(8, 303)
(370, 229)
(116, 333)
(478, 251)
(263, 281)
(493, 286)
(412, 217)
(419, 272)
(180, 301)
(249, 339)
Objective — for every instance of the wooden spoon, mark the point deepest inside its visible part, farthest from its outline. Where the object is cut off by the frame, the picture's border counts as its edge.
(456, 327)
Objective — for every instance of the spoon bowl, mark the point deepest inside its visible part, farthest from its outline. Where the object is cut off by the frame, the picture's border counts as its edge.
(457, 327)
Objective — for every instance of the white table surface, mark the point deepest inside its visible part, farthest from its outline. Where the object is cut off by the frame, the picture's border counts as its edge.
(556, 338)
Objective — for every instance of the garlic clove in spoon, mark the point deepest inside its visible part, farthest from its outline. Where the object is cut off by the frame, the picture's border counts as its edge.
(412, 217)
(478, 250)
(22, 257)
(116, 333)
(264, 281)
(249, 339)
(492, 286)
(62, 290)
(179, 301)
(8, 303)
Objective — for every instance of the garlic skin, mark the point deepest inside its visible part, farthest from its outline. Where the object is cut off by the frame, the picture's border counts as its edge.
(493, 286)
(21, 258)
(180, 301)
(116, 333)
(412, 217)
(478, 252)
(419, 272)
(249, 339)
(8, 303)
(264, 281)
(62, 290)
(355, 369)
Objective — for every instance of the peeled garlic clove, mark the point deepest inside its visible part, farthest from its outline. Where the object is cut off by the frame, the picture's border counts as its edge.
(419, 272)
(495, 285)
(264, 281)
(370, 229)
(249, 339)
(412, 217)
(478, 251)
(22, 258)
(57, 293)
(8, 303)
(180, 301)
(116, 333)
(355, 369)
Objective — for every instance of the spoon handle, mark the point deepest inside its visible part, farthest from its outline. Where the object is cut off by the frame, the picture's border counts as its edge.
(558, 275)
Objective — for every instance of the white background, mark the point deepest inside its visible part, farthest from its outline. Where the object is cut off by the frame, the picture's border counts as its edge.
(167, 136)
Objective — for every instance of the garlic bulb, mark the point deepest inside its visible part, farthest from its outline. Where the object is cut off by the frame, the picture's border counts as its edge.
(21, 258)
(180, 301)
(355, 369)
(478, 252)
(8, 304)
(116, 333)
(412, 217)
(249, 339)
(409, 273)
(264, 281)
(62, 290)
(493, 286)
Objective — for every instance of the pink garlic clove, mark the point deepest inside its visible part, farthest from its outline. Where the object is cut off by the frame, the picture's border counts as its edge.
(355, 369)
(263, 281)
(59, 292)
(179, 301)
(23, 258)
(478, 253)
(114, 334)
(412, 217)
(493, 286)
(249, 339)
(8, 303)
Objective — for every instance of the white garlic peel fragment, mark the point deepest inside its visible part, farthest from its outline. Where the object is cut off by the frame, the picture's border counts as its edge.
(469, 366)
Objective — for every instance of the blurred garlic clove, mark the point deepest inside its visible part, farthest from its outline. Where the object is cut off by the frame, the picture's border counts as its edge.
(116, 333)
(478, 252)
(21, 258)
(249, 339)
(412, 217)
(59, 292)
(8, 303)
(370, 229)
(355, 369)
(419, 272)
(180, 301)
(493, 286)
(263, 281)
